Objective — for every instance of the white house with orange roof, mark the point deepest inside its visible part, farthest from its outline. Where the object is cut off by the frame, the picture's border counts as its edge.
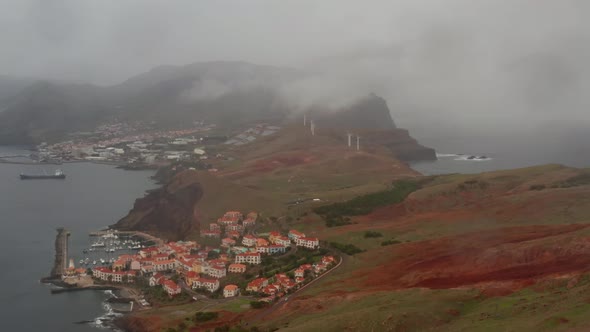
(231, 291)
(249, 258)
(236, 268)
(230, 217)
(308, 242)
(272, 236)
(299, 273)
(248, 222)
(171, 287)
(249, 240)
(282, 240)
(156, 279)
(209, 284)
(216, 271)
(328, 260)
(257, 285)
(169, 264)
(135, 265)
(295, 234)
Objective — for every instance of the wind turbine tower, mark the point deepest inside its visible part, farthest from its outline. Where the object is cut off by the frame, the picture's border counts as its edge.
(349, 139)
(312, 125)
(358, 143)
(304, 119)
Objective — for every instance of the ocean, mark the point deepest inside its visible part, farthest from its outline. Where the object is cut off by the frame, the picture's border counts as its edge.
(92, 197)
(504, 152)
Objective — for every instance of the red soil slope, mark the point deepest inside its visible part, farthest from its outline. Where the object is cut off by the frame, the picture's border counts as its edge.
(520, 254)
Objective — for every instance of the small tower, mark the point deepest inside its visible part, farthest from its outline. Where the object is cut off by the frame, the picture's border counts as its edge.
(71, 265)
(358, 143)
(304, 119)
(349, 139)
(312, 125)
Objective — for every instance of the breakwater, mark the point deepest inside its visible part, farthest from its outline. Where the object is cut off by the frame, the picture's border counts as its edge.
(61, 253)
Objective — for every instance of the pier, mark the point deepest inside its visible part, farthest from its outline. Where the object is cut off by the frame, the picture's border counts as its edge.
(61, 253)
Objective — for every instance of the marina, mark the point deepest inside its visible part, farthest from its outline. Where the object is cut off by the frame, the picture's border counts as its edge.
(105, 246)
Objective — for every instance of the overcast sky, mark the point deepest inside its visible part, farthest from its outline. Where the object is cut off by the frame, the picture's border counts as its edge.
(457, 62)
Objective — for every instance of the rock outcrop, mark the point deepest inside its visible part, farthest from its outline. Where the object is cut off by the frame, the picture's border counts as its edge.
(169, 211)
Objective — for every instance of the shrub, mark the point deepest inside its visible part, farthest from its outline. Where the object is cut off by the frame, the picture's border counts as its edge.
(537, 187)
(389, 242)
(370, 234)
(258, 304)
(205, 316)
(349, 249)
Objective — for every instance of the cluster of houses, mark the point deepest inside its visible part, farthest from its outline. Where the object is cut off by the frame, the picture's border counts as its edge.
(203, 267)
(280, 284)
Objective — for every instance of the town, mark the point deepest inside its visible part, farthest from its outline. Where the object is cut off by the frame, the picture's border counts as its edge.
(141, 145)
(263, 266)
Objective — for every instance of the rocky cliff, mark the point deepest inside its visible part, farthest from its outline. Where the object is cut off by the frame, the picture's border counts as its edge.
(371, 119)
(369, 113)
(169, 211)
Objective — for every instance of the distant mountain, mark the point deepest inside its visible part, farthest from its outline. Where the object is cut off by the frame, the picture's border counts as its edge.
(230, 94)
(47, 110)
(10, 86)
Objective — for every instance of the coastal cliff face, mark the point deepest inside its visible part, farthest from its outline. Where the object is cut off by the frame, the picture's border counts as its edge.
(369, 113)
(371, 119)
(168, 211)
(400, 143)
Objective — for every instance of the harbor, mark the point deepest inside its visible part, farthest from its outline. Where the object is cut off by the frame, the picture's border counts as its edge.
(105, 246)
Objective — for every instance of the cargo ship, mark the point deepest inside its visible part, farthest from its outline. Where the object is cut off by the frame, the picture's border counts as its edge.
(57, 175)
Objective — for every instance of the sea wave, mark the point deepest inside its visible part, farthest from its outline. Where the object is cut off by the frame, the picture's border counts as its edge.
(470, 158)
(106, 320)
(447, 155)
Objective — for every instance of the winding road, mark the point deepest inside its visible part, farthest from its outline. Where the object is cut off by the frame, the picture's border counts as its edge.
(282, 302)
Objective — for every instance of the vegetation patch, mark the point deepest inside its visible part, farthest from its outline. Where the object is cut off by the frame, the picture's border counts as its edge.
(371, 234)
(537, 187)
(335, 214)
(389, 242)
(258, 304)
(575, 181)
(206, 316)
(349, 249)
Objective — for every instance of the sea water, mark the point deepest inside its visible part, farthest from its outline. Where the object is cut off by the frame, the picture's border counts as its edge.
(92, 197)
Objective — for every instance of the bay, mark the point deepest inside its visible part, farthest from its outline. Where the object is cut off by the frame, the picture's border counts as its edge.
(92, 197)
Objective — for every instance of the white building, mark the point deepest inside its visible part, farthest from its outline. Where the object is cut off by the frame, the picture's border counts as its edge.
(231, 291)
(249, 258)
(249, 240)
(209, 284)
(216, 271)
(308, 242)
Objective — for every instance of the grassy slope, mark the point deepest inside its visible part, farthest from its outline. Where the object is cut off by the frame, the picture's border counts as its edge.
(221, 195)
(295, 164)
(447, 210)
